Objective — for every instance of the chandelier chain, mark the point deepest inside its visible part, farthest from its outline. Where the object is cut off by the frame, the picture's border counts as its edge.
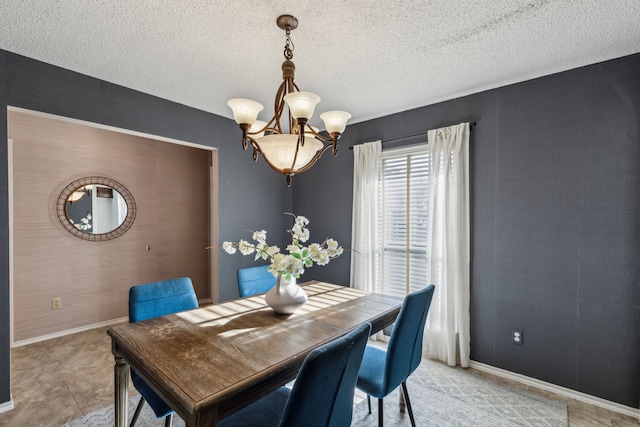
(288, 47)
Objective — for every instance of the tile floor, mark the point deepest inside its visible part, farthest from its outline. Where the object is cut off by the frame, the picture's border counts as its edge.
(56, 381)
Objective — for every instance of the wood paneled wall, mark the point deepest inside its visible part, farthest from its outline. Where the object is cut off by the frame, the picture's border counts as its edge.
(172, 185)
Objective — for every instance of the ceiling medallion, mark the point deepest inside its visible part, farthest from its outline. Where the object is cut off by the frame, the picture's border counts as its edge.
(293, 152)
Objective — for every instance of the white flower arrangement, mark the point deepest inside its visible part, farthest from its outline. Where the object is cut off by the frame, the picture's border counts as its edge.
(84, 224)
(299, 256)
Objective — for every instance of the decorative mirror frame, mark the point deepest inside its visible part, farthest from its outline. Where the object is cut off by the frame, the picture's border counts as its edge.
(61, 208)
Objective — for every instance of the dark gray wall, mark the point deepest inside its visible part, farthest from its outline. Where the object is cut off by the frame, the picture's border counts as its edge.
(555, 178)
(251, 195)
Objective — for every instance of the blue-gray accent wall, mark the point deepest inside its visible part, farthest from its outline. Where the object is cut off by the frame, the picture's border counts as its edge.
(555, 181)
(251, 195)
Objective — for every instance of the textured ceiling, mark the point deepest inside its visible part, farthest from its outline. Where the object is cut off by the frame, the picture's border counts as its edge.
(371, 58)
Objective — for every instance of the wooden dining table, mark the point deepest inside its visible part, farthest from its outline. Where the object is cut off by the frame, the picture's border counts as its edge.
(209, 362)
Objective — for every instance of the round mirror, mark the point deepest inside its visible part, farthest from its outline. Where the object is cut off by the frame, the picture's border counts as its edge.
(95, 208)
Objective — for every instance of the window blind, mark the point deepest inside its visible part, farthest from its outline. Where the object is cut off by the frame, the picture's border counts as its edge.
(404, 200)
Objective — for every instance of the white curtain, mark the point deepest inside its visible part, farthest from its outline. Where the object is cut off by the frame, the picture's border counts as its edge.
(364, 235)
(447, 332)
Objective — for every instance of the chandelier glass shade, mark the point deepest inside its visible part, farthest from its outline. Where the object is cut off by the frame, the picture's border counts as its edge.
(298, 149)
(80, 193)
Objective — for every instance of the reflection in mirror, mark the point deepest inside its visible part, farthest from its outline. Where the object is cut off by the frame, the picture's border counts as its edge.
(96, 208)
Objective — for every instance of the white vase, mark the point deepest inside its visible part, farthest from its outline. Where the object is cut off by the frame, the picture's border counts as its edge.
(286, 296)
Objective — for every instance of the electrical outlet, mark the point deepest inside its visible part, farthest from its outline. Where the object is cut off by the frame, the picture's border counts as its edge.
(56, 303)
(517, 337)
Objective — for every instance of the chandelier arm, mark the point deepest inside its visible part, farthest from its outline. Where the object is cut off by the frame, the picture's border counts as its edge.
(256, 148)
(279, 99)
(249, 136)
(278, 106)
(293, 125)
(267, 128)
(332, 138)
(245, 137)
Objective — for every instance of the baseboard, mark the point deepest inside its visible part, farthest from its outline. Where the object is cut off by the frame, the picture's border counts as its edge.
(566, 392)
(83, 328)
(6, 406)
(69, 332)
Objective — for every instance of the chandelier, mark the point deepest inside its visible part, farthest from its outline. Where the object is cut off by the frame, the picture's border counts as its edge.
(296, 151)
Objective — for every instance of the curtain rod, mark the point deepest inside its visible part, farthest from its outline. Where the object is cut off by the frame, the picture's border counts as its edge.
(471, 126)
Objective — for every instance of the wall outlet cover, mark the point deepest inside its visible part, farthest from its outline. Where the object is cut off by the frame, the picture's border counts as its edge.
(517, 337)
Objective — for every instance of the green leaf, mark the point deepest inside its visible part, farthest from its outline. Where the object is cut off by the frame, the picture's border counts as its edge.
(296, 255)
(308, 263)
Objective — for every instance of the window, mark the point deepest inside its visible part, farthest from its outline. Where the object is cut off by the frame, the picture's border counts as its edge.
(411, 228)
(403, 198)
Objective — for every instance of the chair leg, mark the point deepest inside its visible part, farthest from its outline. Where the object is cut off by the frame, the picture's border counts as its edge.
(168, 420)
(405, 392)
(380, 413)
(136, 414)
(369, 403)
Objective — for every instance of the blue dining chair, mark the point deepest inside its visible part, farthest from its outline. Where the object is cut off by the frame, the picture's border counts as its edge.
(154, 300)
(321, 396)
(255, 280)
(382, 371)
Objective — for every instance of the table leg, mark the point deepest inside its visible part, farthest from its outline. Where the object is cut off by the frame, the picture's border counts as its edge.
(207, 418)
(121, 381)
